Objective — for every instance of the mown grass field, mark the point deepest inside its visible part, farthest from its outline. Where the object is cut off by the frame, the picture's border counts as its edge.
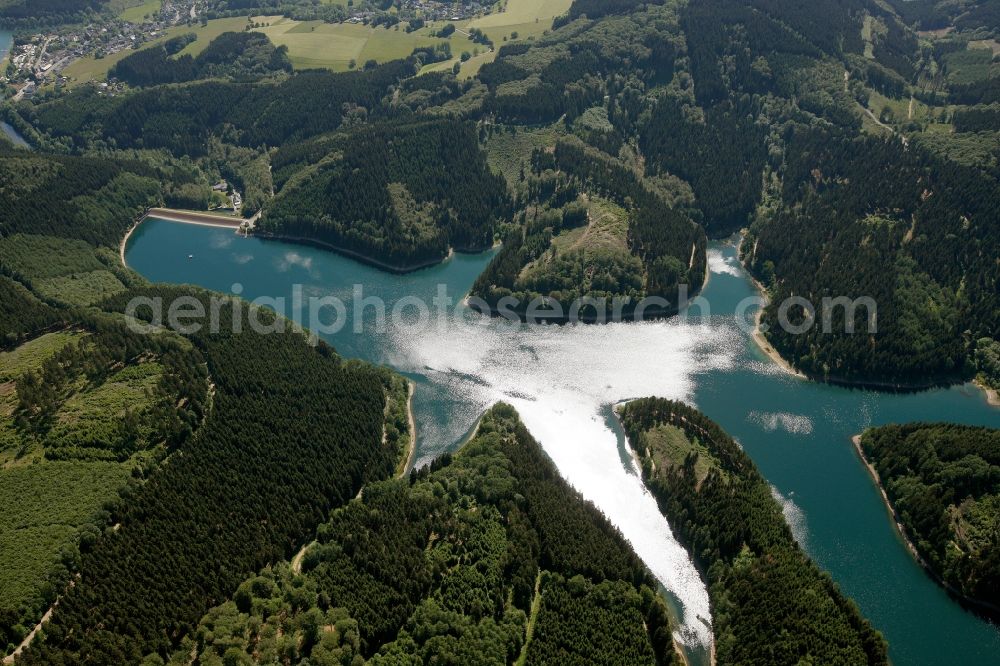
(526, 19)
(314, 44)
(136, 10)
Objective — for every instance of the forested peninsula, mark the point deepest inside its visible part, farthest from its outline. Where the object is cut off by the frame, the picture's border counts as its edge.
(156, 484)
(251, 445)
(942, 483)
(485, 556)
(770, 602)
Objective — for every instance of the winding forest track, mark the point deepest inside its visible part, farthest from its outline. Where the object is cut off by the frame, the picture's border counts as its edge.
(400, 472)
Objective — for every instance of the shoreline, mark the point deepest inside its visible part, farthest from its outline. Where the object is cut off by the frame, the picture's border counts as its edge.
(234, 223)
(357, 256)
(474, 432)
(675, 617)
(974, 604)
(992, 395)
(763, 345)
(873, 473)
(180, 217)
(758, 335)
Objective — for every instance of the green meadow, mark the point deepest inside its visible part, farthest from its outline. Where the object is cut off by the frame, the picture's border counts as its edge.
(315, 44)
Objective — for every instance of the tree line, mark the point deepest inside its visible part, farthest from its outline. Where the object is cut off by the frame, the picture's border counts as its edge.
(943, 481)
(446, 565)
(770, 602)
(293, 431)
(243, 55)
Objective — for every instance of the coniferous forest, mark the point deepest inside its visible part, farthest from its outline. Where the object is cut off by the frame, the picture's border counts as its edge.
(765, 116)
(402, 193)
(485, 556)
(943, 482)
(228, 497)
(245, 443)
(723, 511)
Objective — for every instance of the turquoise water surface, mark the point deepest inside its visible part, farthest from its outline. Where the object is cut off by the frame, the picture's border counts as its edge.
(564, 380)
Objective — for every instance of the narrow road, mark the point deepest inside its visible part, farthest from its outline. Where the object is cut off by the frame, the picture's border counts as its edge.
(41, 52)
(9, 659)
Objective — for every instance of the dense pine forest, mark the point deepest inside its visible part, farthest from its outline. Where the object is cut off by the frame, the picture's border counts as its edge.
(943, 482)
(147, 475)
(859, 155)
(159, 486)
(293, 432)
(770, 603)
(17, 13)
(232, 54)
(921, 242)
(401, 193)
(485, 556)
(91, 412)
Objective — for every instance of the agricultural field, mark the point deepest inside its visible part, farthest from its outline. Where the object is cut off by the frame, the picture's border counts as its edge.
(335, 46)
(136, 10)
(315, 44)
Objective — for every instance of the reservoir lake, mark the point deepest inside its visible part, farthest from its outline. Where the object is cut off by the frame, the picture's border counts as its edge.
(565, 380)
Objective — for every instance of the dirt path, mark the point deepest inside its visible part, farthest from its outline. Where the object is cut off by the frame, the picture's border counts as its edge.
(400, 473)
(411, 449)
(297, 560)
(536, 604)
(9, 659)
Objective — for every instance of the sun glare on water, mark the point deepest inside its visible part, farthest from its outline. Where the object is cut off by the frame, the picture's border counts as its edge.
(562, 380)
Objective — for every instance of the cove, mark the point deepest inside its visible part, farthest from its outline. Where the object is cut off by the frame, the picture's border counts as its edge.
(564, 382)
